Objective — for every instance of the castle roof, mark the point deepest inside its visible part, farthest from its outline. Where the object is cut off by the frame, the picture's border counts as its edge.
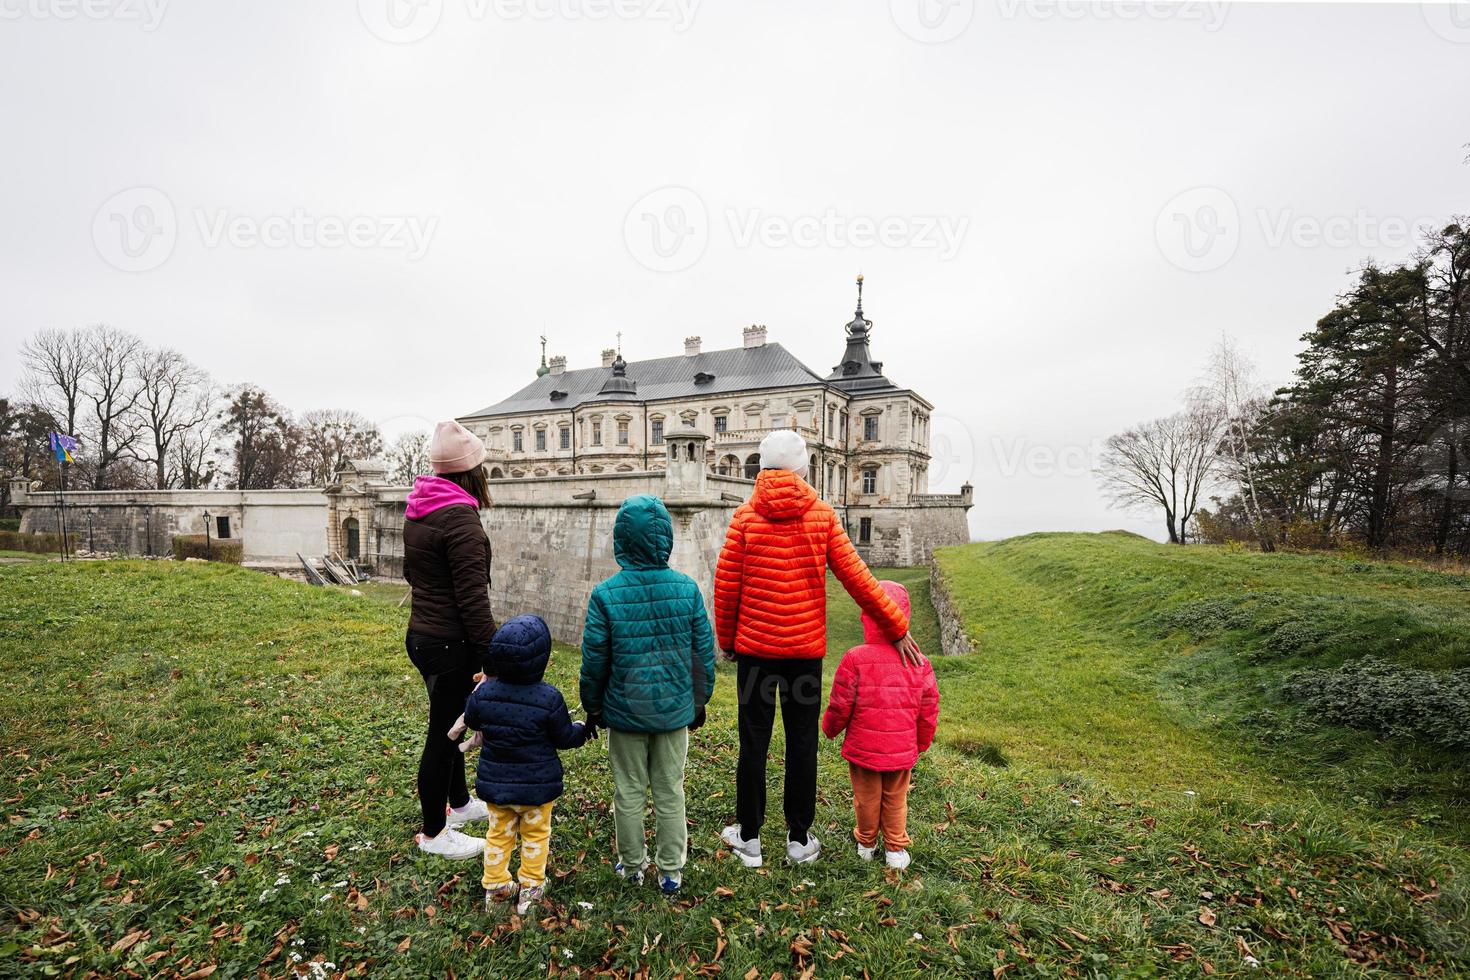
(662, 378)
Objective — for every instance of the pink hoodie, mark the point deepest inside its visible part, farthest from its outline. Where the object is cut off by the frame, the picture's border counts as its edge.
(431, 493)
(890, 711)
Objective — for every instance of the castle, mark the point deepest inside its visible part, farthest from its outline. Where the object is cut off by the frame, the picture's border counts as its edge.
(565, 451)
(869, 437)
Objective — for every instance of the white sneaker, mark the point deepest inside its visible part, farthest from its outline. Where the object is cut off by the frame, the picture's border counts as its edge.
(898, 860)
(748, 851)
(804, 853)
(867, 853)
(473, 810)
(452, 845)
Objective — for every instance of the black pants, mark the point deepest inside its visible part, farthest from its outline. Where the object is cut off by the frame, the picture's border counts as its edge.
(798, 686)
(448, 668)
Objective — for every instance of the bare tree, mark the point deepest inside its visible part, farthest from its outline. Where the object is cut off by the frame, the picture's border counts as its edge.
(408, 457)
(168, 406)
(1164, 463)
(111, 387)
(332, 436)
(194, 453)
(55, 371)
(1232, 391)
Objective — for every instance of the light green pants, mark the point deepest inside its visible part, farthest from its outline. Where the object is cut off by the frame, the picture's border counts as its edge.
(641, 762)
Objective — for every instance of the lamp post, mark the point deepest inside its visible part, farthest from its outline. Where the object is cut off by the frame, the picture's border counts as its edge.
(207, 552)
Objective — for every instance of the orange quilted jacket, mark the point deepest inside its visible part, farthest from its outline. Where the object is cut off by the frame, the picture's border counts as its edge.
(771, 580)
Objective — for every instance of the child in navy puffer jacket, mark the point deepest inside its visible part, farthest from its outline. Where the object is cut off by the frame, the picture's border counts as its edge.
(523, 721)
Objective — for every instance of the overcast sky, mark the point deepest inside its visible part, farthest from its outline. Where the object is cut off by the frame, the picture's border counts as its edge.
(1058, 207)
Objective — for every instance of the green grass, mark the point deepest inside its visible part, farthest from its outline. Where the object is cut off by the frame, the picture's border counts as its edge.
(205, 767)
(28, 555)
(1156, 668)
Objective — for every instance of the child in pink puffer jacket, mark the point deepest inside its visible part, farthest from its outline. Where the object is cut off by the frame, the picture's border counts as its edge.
(890, 712)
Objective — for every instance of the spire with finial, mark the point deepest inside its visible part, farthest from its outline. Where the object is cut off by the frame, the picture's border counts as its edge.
(543, 370)
(858, 370)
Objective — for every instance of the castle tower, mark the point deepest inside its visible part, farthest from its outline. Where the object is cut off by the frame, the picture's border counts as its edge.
(686, 476)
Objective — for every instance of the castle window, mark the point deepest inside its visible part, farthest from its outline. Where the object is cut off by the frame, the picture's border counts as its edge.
(752, 466)
(870, 427)
(673, 454)
(831, 421)
(622, 433)
(222, 527)
(870, 480)
(657, 432)
(722, 423)
(518, 443)
(596, 433)
(566, 437)
(541, 440)
(865, 530)
(842, 434)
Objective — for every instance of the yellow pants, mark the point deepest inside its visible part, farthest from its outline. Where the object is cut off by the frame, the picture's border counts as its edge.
(533, 825)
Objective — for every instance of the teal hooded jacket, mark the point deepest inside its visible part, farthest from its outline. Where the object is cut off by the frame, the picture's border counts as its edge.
(648, 654)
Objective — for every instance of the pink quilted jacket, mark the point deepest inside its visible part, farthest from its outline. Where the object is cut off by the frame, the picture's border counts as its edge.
(888, 710)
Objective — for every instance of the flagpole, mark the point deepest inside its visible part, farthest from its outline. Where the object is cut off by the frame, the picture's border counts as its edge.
(61, 504)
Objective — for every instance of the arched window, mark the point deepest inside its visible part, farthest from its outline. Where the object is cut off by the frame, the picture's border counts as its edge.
(496, 474)
(729, 465)
(350, 539)
(814, 475)
(752, 466)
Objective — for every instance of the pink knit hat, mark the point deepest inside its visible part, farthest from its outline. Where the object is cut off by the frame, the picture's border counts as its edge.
(454, 449)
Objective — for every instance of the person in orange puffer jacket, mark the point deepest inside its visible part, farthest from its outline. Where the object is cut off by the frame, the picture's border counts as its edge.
(771, 618)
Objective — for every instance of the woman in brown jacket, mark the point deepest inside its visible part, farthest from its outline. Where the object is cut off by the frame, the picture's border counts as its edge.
(446, 560)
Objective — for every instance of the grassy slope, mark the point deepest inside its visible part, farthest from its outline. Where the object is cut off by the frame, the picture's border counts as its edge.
(1156, 668)
(205, 766)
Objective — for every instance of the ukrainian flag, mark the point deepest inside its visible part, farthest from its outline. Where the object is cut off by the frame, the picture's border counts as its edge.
(62, 447)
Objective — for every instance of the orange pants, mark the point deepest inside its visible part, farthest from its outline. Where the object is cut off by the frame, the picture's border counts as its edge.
(881, 801)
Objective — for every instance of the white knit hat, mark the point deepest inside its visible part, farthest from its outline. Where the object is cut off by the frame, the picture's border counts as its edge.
(784, 450)
(454, 449)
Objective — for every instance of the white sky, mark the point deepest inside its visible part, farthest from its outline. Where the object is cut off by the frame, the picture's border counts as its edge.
(522, 139)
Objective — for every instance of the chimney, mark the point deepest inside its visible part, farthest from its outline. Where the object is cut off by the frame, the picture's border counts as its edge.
(691, 346)
(755, 336)
(609, 355)
(558, 364)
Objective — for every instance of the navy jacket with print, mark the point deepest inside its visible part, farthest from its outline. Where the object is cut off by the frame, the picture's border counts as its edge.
(524, 719)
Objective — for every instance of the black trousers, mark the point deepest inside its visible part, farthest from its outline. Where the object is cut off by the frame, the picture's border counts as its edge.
(448, 668)
(797, 684)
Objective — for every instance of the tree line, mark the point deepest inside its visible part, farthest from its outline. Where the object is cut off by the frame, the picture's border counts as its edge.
(149, 418)
(1367, 444)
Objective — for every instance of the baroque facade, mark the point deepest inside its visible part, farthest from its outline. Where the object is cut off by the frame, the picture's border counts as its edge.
(868, 437)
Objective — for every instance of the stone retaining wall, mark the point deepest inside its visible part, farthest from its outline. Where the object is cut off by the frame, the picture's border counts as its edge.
(954, 639)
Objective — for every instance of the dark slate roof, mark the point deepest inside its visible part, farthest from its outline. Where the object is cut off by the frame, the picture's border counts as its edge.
(736, 369)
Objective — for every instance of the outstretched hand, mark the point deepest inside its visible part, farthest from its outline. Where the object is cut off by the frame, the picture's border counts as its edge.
(908, 651)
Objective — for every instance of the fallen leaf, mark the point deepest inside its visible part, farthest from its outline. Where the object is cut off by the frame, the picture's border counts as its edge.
(200, 973)
(1206, 917)
(403, 946)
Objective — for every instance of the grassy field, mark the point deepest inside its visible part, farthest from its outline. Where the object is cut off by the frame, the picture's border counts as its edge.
(209, 772)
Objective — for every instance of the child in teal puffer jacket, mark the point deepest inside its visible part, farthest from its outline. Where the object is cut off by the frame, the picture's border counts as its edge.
(648, 669)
